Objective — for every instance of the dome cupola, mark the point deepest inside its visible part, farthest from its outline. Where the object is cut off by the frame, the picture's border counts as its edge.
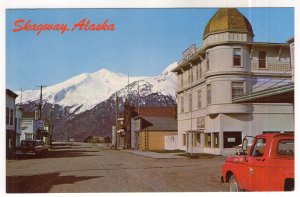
(228, 20)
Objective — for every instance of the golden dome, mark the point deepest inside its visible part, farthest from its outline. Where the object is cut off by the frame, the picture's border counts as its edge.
(227, 20)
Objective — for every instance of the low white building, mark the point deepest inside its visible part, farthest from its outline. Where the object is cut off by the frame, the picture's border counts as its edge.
(28, 126)
(230, 64)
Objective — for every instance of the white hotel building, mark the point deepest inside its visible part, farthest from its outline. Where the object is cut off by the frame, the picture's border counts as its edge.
(229, 65)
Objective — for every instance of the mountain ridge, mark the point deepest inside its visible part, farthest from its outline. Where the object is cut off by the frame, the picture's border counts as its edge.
(96, 116)
(89, 89)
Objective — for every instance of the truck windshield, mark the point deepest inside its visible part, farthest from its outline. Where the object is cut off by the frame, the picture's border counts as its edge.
(286, 147)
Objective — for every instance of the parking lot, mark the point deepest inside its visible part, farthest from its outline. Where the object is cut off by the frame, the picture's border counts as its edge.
(84, 167)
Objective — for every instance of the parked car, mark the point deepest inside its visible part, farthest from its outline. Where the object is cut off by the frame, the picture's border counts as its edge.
(267, 166)
(32, 147)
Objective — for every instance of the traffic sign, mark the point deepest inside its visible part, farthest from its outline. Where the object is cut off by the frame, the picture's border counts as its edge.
(40, 124)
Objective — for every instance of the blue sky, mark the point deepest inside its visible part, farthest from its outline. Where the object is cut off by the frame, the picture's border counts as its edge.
(143, 43)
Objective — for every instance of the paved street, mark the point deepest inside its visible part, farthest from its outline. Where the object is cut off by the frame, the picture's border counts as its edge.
(88, 168)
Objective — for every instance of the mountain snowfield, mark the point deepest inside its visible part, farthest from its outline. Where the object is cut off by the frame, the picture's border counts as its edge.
(88, 89)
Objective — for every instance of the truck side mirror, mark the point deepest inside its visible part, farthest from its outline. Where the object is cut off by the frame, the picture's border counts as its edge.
(245, 144)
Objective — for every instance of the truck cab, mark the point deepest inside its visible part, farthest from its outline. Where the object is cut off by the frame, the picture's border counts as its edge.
(267, 166)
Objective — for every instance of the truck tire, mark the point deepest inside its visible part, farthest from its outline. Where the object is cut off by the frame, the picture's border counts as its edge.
(233, 185)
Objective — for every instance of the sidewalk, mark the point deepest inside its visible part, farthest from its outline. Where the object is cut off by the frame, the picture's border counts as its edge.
(155, 155)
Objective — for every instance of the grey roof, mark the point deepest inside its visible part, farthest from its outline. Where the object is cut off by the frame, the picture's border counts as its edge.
(159, 123)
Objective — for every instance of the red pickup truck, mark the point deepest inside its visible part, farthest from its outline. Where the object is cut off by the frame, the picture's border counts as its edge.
(267, 166)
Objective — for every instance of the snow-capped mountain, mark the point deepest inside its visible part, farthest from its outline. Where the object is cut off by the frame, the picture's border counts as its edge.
(83, 92)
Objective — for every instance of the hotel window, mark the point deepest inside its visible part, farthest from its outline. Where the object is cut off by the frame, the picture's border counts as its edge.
(182, 104)
(7, 115)
(184, 139)
(237, 57)
(191, 73)
(208, 94)
(199, 99)
(207, 61)
(207, 140)
(197, 72)
(237, 89)
(11, 117)
(232, 139)
(190, 102)
(262, 59)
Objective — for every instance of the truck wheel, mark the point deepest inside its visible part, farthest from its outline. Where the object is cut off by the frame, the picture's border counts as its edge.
(233, 185)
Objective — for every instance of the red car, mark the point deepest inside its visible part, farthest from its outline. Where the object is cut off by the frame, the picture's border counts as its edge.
(267, 166)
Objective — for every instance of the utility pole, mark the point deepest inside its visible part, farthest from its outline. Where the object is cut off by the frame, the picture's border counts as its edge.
(51, 125)
(116, 130)
(127, 140)
(40, 111)
(138, 104)
(128, 86)
(68, 137)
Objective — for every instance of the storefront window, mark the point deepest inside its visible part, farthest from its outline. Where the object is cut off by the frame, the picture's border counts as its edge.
(198, 138)
(207, 140)
(195, 139)
(184, 139)
(216, 140)
(232, 139)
